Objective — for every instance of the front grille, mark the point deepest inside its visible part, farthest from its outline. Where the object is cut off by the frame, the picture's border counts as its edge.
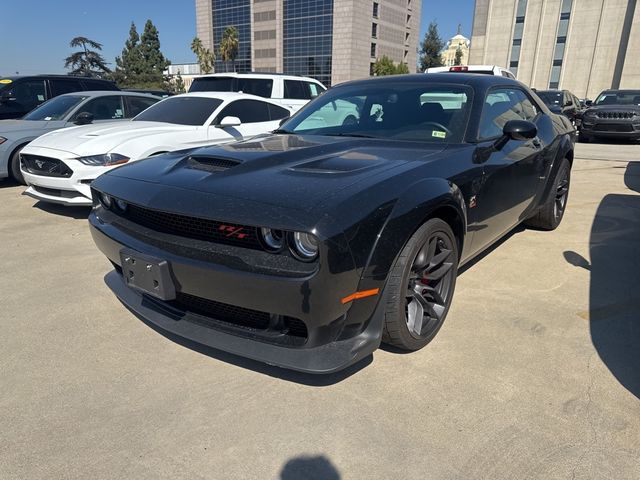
(209, 312)
(194, 227)
(55, 192)
(211, 164)
(45, 166)
(615, 115)
(614, 127)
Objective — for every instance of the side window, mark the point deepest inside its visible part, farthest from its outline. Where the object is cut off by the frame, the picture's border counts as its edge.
(315, 89)
(64, 85)
(296, 89)
(256, 86)
(28, 94)
(135, 105)
(278, 113)
(105, 108)
(248, 111)
(502, 105)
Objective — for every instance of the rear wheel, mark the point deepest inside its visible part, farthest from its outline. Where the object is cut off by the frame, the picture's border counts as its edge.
(550, 214)
(420, 286)
(14, 167)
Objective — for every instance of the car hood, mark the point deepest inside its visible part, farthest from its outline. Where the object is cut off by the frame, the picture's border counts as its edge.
(19, 126)
(295, 172)
(98, 139)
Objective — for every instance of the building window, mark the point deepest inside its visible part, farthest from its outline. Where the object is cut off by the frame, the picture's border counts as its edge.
(373, 50)
(518, 30)
(557, 63)
(376, 8)
(561, 40)
(238, 14)
(374, 30)
(371, 69)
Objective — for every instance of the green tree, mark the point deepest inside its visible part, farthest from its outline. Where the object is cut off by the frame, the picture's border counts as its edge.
(458, 57)
(152, 60)
(86, 62)
(229, 46)
(176, 85)
(385, 66)
(430, 48)
(129, 66)
(204, 55)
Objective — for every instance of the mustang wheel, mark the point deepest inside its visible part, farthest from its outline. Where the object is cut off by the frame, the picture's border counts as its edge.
(550, 214)
(421, 285)
(14, 167)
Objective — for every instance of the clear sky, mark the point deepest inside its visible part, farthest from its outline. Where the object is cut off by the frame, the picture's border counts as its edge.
(35, 34)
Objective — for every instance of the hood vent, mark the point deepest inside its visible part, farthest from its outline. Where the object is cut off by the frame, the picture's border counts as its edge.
(211, 164)
(335, 165)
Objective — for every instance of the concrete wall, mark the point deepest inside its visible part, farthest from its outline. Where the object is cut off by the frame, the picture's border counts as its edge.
(204, 23)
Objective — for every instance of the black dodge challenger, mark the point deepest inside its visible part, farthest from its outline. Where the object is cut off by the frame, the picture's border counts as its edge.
(307, 247)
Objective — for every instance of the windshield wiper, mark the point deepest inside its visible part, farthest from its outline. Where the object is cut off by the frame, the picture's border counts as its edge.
(356, 135)
(282, 130)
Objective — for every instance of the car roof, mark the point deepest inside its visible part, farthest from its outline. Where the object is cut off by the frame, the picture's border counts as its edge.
(39, 75)
(102, 93)
(460, 78)
(257, 75)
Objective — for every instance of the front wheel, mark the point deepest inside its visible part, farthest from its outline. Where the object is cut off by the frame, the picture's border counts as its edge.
(420, 286)
(14, 167)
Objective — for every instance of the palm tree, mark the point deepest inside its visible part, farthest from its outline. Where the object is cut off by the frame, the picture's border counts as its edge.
(86, 62)
(204, 55)
(229, 45)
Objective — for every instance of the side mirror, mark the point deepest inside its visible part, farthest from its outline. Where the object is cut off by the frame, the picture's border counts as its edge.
(6, 97)
(283, 120)
(519, 130)
(84, 118)
(588, 103)
(229, 122)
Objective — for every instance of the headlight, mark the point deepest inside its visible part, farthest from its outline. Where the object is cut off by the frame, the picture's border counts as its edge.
(104, 160)
(106, 200)
(273, 240)
(2, 140)
(305, 246)
(121, 204)
(589, 113)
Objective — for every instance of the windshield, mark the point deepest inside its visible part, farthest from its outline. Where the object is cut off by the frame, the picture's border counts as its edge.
(550, 97)
(628, 97)
(398, 111)
(55, 109)
(180, 110)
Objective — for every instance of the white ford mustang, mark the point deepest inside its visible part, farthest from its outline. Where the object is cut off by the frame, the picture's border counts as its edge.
(59, 166)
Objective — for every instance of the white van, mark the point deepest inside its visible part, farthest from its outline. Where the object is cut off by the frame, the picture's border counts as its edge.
(483, 69)
(291, 91)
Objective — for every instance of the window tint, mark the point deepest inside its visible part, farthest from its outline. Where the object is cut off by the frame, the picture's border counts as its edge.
(297, 90)
(502, 105)
(98, 85)
(181, 110)
(28, 94)
(104, 108)
(212, 84)
(255, 86)
(278, 113)
(64, 85)
(135, 105)
(248, 111)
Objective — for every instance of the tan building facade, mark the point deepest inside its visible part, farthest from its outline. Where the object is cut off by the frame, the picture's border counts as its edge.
(331, 40)
(584, 46)
(457, 42)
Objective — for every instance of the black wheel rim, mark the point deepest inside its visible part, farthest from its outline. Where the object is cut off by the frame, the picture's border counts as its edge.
(430, 285)
(561, 195)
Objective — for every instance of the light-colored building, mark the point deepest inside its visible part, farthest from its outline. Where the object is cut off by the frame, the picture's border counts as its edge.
(455, 43)
(584, 46)
(331, 40)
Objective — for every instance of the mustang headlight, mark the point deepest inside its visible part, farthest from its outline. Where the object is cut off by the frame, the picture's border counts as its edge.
(304, 246)
(106, 200)
(273, 240)
(104, 160)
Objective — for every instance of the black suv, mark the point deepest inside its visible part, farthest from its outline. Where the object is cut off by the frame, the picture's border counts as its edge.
(20, 95)
(563, 102)
(614, 114)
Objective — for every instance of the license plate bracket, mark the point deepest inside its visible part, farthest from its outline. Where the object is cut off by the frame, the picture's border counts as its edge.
(147, 274)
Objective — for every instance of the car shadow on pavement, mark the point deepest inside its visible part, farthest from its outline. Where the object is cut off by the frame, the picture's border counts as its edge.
(614, 303)
(309, 468)
(308, 379)
(79, 213)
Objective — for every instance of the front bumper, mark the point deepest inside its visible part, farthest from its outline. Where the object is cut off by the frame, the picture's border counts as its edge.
(338, 335)
(596, 127)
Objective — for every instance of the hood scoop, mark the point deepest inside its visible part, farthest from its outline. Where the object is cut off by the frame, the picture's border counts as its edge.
(343, 164)
(210, 164)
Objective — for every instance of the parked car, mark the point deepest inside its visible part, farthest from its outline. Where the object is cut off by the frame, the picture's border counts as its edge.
(290, 90)
(614, 114)
(64, 111)
(563, 102)
(483, 69)
(60, 165)
(307, 247)
(21, 94)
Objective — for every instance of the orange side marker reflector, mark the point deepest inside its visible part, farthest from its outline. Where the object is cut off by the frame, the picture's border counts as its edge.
(362, 294)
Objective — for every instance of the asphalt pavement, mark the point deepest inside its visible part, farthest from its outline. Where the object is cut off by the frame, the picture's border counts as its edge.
(535, 374)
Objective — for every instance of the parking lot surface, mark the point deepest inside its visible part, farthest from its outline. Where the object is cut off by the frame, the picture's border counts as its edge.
(535, 374)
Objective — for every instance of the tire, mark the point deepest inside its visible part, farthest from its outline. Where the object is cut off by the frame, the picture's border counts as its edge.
(582, 138)
(415, 275)
(551, 212)
(14, 167)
